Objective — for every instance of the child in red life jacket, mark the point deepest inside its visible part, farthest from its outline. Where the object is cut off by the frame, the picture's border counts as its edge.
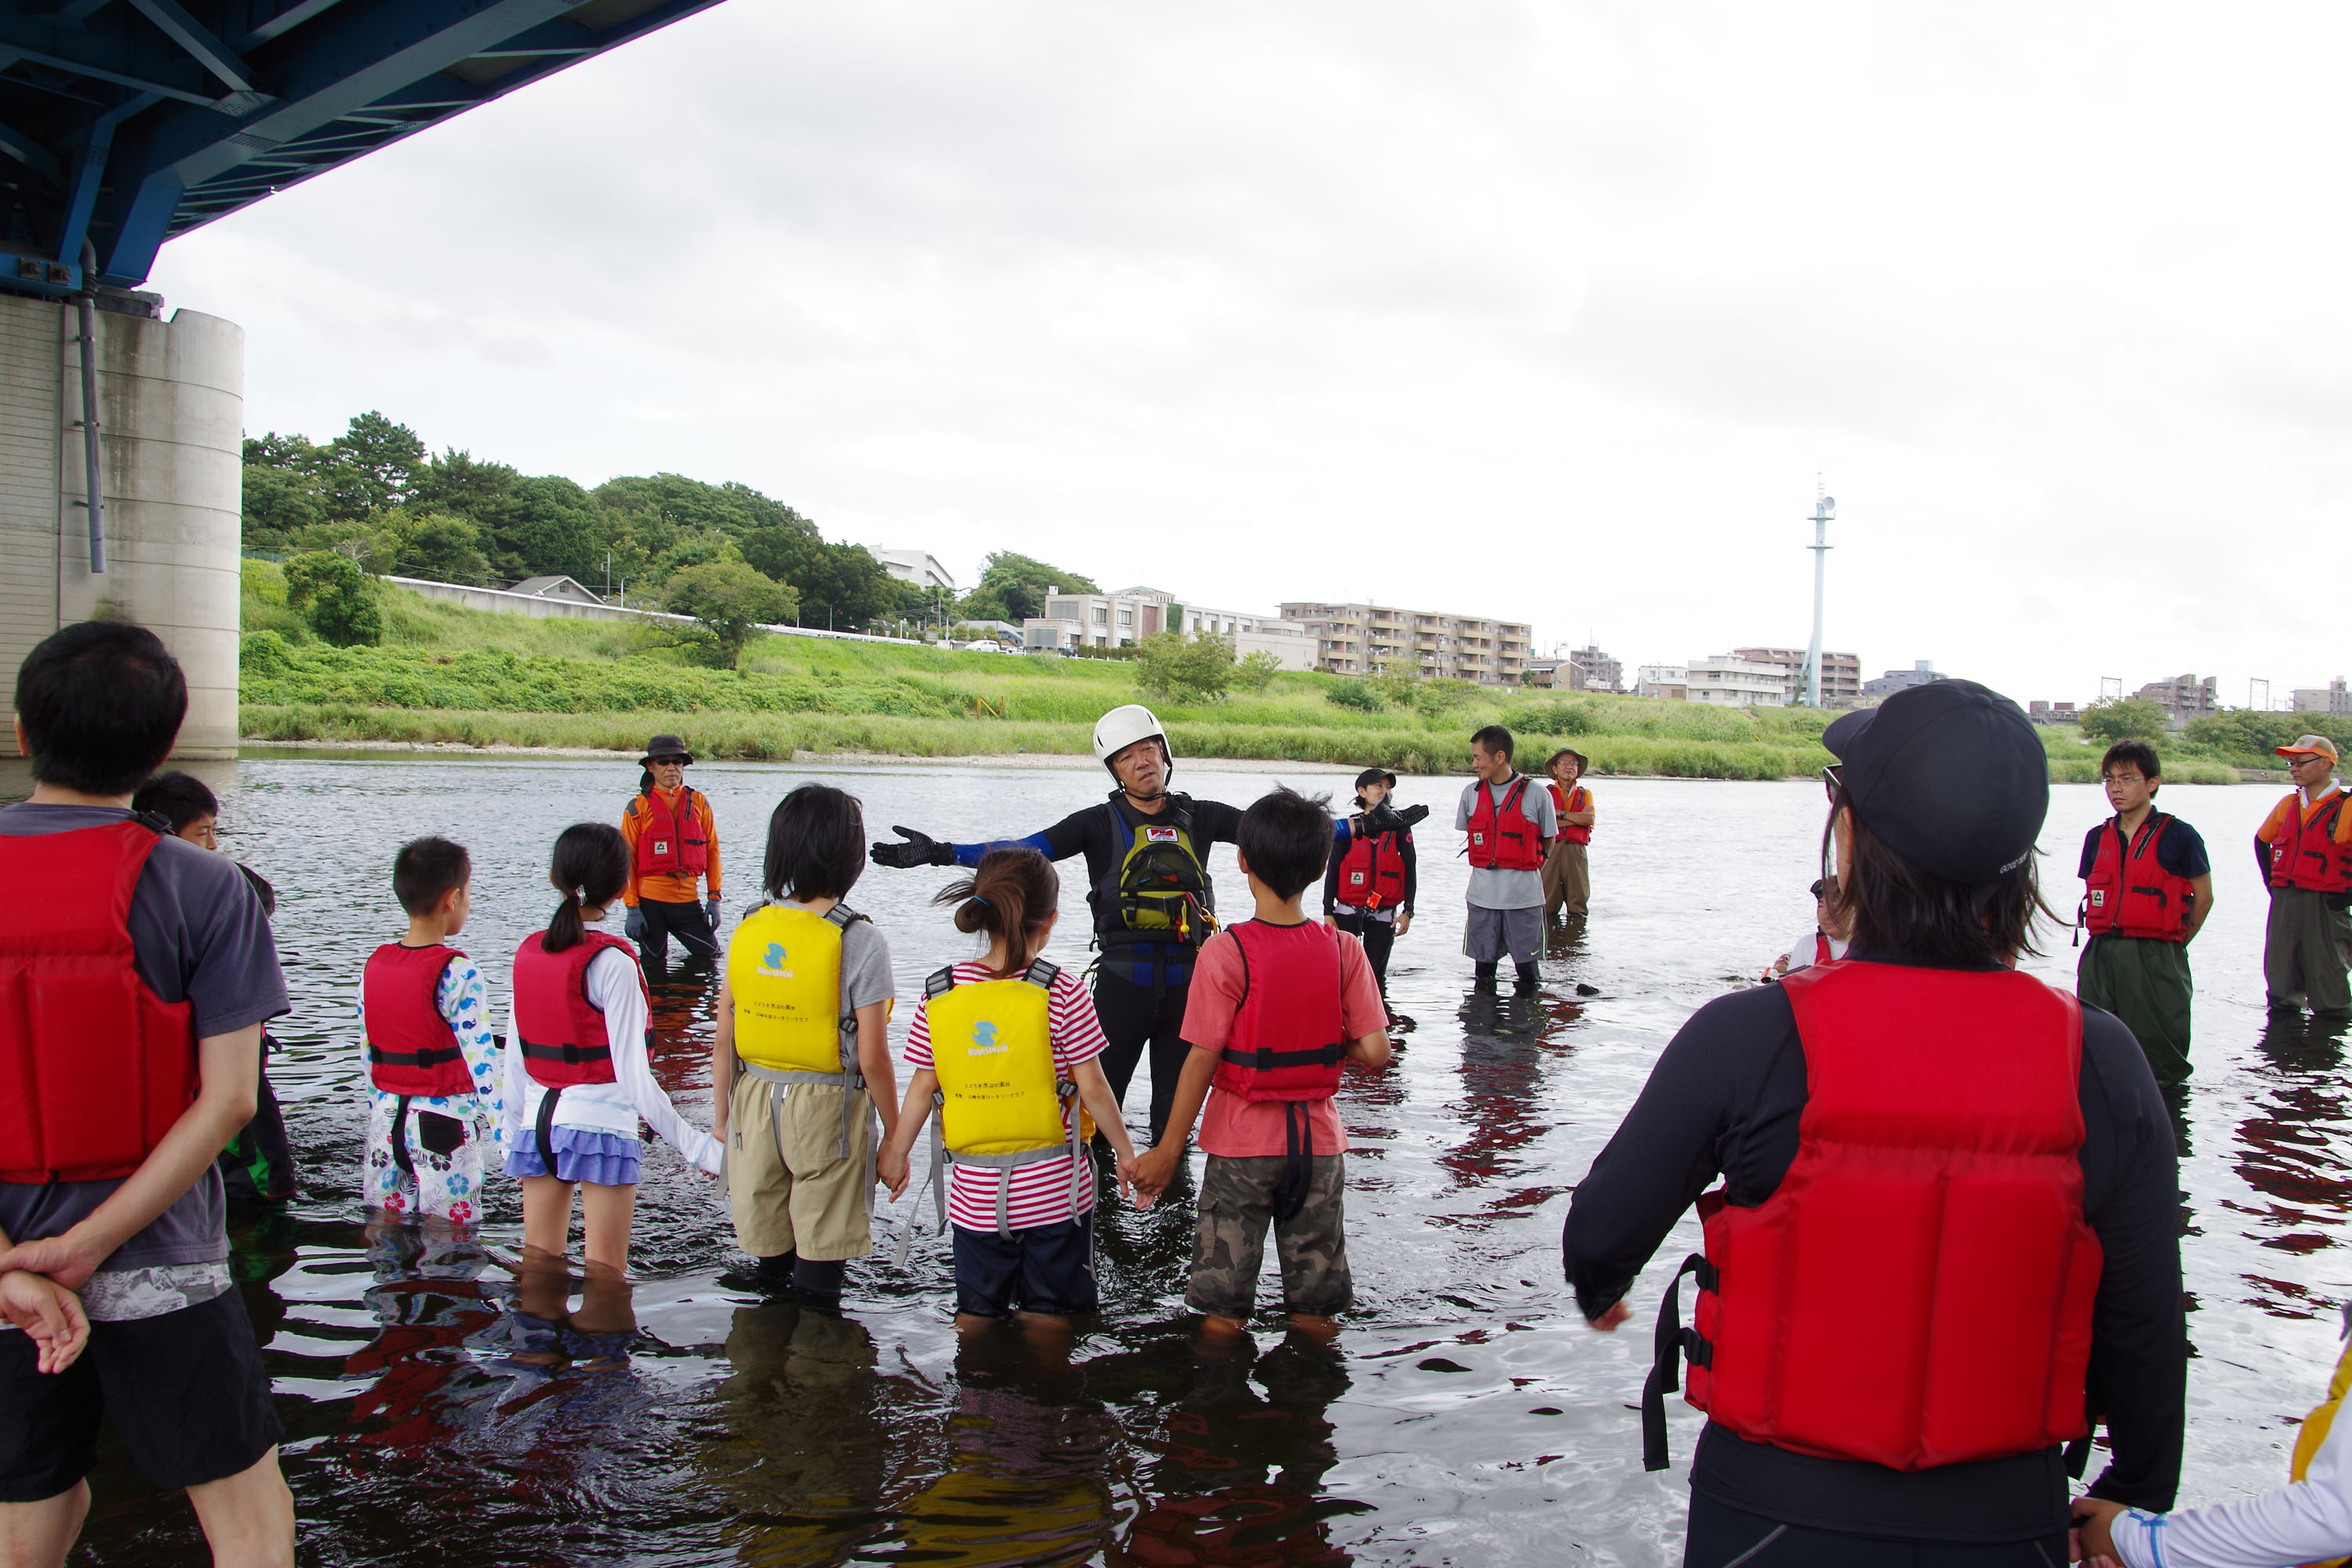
(433, 1065)
(579, 1074)
(1277, 1003)
(1008, 1048)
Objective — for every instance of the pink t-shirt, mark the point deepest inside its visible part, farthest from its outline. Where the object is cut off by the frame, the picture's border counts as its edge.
(1041, 1190)
(1231, 1125)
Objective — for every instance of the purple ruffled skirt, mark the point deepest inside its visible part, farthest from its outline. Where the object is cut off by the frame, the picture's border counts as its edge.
(582, 1154)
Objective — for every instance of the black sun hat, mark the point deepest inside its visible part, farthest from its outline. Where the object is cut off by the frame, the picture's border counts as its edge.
(665, 746)
(1949, 776)
(1376, 775)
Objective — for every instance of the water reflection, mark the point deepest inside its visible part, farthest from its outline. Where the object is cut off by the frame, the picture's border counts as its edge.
(2289, 1152)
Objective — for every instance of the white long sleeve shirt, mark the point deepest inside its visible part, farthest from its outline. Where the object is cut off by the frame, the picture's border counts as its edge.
(614, 986)
(2307, 1521)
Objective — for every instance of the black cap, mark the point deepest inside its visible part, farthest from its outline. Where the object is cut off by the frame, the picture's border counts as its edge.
(1376, 775)
(1949, 776)
(665, 746)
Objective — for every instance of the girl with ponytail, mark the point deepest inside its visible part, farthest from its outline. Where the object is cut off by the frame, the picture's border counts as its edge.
(1007, 1047)
(579, 1077)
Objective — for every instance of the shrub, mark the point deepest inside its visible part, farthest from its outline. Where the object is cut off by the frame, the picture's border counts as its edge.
(335, 598)
(729, 602)
(1355, 694)
(1253, 673)
(1195, 669)
(2122, 719)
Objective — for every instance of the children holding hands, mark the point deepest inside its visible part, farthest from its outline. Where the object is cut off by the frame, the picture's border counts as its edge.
(1278, 1004)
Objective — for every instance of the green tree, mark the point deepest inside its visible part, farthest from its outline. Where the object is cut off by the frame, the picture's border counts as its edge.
(279, 504)
(1256, 670)
(728, 601)
(2122, 719)
(1013, 587)
(370, 465)
(843, 580)
(548, 526)
(371, 543)
(1195, 669)
(442, 548)
(338, 600)
(690, 505)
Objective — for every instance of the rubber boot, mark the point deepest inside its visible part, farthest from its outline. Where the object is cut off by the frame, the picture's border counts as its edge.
(1526, 984)
(816, 1284)
(1481, 976)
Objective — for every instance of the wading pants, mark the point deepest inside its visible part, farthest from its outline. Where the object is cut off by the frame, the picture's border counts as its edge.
(687, 922)
(1567, 880)
(2306, 948)
(2146, 984)
(1379, 937)
(1135, 1015)
(1721, 1537)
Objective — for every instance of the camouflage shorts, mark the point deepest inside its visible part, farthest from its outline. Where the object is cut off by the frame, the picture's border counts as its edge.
(1229, 1239)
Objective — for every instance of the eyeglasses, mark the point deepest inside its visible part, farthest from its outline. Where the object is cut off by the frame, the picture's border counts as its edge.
(1833, 779)
(669, 761)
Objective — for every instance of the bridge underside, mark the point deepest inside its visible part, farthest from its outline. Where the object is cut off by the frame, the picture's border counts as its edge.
(125, 122)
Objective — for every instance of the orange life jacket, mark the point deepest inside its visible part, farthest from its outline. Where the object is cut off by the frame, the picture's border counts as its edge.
(1578, 798)
(670, 840)
(2305, 853)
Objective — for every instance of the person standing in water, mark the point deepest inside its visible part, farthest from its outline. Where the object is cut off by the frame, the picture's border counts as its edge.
(1369, 888)
(1567, 876)
(673, 846)
(1511, 825)
(2304, 848)
(2147, 889)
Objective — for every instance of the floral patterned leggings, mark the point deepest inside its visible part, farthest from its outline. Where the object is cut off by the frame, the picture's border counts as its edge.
(434, 1169)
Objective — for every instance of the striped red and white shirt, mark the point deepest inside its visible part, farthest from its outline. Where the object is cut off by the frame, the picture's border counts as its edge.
(1041, 1190)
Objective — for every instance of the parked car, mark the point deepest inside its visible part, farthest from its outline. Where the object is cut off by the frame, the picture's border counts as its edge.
(983, 648)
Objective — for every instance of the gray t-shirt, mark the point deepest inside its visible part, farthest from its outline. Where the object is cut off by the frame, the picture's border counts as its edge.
(197, 935)
(1492, 888)
(865, 976)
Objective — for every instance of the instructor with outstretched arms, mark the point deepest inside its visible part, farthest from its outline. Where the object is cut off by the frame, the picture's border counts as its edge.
(1147, 884)
(1938, 1198)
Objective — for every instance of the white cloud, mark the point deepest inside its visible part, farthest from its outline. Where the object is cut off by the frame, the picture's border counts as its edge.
(1553, 311)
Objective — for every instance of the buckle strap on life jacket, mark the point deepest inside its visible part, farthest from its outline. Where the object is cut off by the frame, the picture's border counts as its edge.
(1266, 1058)
(545, 1131)
(568, 1054)
(1670, 1344)
(429, 1057)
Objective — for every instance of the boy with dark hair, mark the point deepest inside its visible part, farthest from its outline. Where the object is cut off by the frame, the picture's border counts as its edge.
(424, 1011)
(1511, 825)
(1277, 1003)
(184, 802)
(2148, 890)
(113, 1233)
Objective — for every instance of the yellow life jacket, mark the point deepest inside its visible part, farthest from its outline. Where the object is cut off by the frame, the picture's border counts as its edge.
(2315, 1427)
(999, 1100)
(783, 966)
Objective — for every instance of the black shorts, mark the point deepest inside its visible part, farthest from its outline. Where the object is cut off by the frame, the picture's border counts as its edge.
(186, 1391)
(1047, 1268)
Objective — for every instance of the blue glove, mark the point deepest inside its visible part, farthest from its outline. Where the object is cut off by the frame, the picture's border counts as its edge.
(634, 923)
(710, 908)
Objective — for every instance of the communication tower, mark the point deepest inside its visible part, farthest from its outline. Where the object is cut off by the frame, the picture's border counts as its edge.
(2111, 689)
(1824, 508)
(2258, 694)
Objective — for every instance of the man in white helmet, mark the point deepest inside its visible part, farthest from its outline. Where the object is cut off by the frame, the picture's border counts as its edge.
(1147, 884)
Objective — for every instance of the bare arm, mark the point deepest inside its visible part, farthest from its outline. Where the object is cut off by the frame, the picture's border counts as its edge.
(1157, 1167)
(46, 1310)
(1095, 1094)
(2199, 910)
(722, 1061)
(891, 1164)
(1370, 1051)
(228, 1069)
(874, 1062)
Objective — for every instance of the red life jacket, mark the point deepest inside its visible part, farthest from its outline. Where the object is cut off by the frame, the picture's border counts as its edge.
(1290, 1031)
(411, 1048)
(1504, 838)
(562, 1032)
(1848, 1316)
(1371, 873)
(1821, 954)
(2133, 894)
(99, 1068)
(1576, 799)
(669, 836)
(2305, 853)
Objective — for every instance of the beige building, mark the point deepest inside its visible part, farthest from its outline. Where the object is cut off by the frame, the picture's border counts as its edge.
(1730, 681)
(2184, 697)
(1110, 620)
(1841, 673)
(2332, 699)
(1668, 683)
(1366, 639)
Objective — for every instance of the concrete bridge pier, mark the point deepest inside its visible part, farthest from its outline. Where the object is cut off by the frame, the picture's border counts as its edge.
(171, 434)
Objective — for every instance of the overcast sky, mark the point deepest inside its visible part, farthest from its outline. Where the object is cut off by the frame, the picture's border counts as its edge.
(1550, 311)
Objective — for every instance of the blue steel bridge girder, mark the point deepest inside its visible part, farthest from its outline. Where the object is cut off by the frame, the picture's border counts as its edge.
(128, 121)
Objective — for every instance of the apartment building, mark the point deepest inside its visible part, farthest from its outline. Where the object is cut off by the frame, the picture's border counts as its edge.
(2042, 712)
(1599, 671)
(1553, 674)
(1841, 673)
(1730, 681)
(1366, 639)
(919, 567)
(1669, 682)
(1110, 620)
(1286, 640)
(2184, 697)
(1921, 672)
(2332, 699)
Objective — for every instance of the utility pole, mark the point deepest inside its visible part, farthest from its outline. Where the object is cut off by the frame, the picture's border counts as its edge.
(1824, 508)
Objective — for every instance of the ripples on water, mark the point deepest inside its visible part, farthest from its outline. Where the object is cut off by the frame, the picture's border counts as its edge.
(1466, 1415)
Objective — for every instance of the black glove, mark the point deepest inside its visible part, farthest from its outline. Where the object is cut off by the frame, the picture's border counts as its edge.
(1386, 818)
(1412, 813)
(920, 849)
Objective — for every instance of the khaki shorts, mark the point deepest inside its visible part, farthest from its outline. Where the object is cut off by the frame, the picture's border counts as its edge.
(807, 1199)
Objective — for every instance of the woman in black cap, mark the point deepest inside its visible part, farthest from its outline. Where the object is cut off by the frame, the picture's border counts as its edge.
(673, 843)
(1945, 1240)
(1369, 886)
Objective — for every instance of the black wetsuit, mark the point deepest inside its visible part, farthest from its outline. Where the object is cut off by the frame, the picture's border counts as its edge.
(1725, 1100)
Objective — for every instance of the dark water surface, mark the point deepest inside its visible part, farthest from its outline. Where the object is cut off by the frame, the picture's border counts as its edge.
(1467, 1416)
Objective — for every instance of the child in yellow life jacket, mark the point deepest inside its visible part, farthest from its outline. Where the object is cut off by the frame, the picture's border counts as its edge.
(1006, 1049)
(802, 1065)
(2309, 1520)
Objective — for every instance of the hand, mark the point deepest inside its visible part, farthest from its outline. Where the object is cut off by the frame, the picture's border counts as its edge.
(634, 923)
(2092, 1541)
(1382, 819)
(1611, 1320)
(66, 1261)
(1125, 1169)
(1150, 1171)
(1403, 921)
(50, 1313)
(920, 849)
(1412, 814)
(710, 908)
(893, 1169)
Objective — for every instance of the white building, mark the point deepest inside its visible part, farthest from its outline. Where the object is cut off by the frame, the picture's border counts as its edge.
(1730, 681)
(1111, 620)
(1670, 681)
(1286, 640)
(919, 567)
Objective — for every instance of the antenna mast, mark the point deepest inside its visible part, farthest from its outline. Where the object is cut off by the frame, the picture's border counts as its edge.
(1824, 508)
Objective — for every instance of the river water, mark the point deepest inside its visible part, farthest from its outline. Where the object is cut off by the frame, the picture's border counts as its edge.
(1467, 1416)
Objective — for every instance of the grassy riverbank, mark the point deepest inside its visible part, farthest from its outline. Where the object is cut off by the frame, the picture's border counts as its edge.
(446, 674)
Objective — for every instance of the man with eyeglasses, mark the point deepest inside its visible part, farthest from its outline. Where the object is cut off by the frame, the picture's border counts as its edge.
(2147, 889)
(2304, 847)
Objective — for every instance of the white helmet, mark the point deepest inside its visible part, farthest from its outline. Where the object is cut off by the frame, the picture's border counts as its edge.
(1120, 727)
